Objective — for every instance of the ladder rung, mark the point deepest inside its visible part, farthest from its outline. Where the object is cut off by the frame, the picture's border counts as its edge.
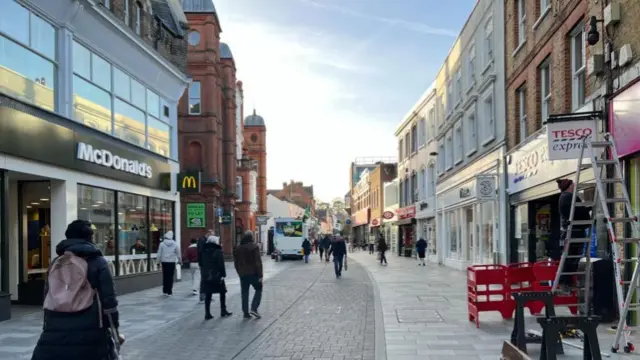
(615, 200)
(606, 162)
(611, 181)
(623, 219)
(579, 240)
(600, 143)
(574, 273)
(582, 222)
(585, 203)
(628, 260)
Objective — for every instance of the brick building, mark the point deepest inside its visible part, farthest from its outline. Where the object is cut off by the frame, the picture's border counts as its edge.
(207, 125)
(296, 193)
(255, 141)
(382, 174)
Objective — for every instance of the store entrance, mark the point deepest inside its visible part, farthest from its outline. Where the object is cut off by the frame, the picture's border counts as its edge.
(34, 229)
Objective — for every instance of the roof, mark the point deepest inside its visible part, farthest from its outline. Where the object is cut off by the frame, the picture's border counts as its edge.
(198, 6)
(163, 9)
(254, 120)
(225, 51)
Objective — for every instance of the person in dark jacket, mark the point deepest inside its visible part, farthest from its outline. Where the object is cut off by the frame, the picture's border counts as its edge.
(567, 187)
(306, 249)
(339, 250)
(325, 244)
(382, 248)
(80, 336)
(248, 263)
(421, 249)
(213, 273)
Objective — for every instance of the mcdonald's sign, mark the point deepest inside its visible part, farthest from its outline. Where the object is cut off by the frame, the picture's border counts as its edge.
(188, 182)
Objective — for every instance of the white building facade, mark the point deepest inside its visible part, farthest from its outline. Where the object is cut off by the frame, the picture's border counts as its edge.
(470, 136)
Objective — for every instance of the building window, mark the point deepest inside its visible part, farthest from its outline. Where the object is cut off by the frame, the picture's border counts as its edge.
(161, 218)
(449, 152)
(453, 234)
(407, 145)
(545, 90)
(471, 68)
(522, 22)
(414, 188)
(544, 4)
(193, 38)
(432, 181)
(407, 191)
(432, 123)
(138, 18)
(132, 227)
(107, 4)
(578, 66)
(441, 157)
(458, 144)
(488, 42)
(239, 188)
(414, 139)
(458, 86)
(472, 139)
(440, 113)
(97, 206)
(27, 56)
(489, 120)
(449, 97)
(194, 98)
(400, 150)
(521, 94)
(422, 127)
(423, 184)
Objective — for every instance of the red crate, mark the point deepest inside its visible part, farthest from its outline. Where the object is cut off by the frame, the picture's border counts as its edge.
(485, 283)
(545, 273)
(520, 278)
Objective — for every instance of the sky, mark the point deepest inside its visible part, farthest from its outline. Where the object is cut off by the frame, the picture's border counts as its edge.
(334, 78)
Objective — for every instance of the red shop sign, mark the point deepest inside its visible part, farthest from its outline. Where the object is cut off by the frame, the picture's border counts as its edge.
(375, 222)
(406, 212)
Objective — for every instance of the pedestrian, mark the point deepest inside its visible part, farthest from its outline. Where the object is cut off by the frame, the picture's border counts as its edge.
(306, 249)
(168, 256)
(76, 326)
(372, 243)
(324, 248)
(248, 264)
(191, 256)
(339, 251)
(382, 248)
(421, 249)
(315, 245)
(213, 274)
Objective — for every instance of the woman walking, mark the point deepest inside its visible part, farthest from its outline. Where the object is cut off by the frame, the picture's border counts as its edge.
(382, 248)
(306, 249)
(168, 256)
(213, 273)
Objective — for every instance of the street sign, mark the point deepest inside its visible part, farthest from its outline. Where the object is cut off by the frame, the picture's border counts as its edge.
(219, 212)
(225, 219)
(348, 221)
(188, 182)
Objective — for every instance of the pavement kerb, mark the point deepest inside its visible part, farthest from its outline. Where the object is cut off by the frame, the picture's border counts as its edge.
(380, 339)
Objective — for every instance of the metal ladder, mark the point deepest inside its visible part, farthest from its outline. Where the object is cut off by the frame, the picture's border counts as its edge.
(594, 149)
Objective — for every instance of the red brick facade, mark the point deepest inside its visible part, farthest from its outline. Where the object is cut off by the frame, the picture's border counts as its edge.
(255, 140)
(296, 193)
(207, 141)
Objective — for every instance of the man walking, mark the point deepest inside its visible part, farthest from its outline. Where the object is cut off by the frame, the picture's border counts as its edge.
(324, 248)
(339, 251)
(372, 244)
(248, 263)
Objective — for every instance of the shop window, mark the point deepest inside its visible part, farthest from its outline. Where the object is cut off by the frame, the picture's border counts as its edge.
(161, 220)
(27, 56)
(470, 235)
(97, 206)
(453, 234)
(133, 229)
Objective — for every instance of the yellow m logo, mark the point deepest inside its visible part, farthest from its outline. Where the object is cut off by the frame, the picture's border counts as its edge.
(189, 182)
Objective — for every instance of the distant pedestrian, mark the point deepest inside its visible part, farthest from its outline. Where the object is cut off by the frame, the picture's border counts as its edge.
(324, 248)
(372, 244)
(191, 256)
(339, 251)
(248, 264)
(306, 249)
(168, 256)
(213, 274)
(76, 325)
(421, 249)
(382, 248)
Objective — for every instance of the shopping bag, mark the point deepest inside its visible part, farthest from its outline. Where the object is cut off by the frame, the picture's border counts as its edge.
(346, 266)
(114, 339)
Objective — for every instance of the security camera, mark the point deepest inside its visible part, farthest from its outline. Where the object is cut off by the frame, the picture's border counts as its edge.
(593, 36)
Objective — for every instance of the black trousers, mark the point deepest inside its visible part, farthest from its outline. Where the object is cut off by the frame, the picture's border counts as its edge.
(383, 257)
(168, 271)
(207, 303)
(371, 248)
(572, 264)
(321, 253)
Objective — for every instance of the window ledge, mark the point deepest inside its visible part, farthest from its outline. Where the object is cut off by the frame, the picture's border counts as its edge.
(458, 161)
(541, 17)
(422, 147)
(488, 140)
(486, 68)
(458, 103)
(471, 152)
(449, 168)
(517, 50)
(471, 87)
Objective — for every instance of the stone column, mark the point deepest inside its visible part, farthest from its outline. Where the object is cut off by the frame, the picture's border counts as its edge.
(64, 209)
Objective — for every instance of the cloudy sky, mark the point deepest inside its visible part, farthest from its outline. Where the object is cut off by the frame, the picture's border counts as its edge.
(333, 78)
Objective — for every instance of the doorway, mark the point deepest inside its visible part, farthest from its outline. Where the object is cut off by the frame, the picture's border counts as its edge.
(34, 229)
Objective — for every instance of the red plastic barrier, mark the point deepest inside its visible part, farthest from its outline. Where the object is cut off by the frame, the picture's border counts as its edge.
(545, 274)
(485, 283)
(520, 278)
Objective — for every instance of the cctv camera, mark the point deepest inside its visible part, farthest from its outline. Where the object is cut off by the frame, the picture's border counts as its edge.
(593, 36)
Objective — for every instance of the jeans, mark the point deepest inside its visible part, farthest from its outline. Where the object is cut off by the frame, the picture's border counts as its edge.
(383, 258)
(337, 264)
(370, 248)
(321, 253)
(194, 270)
(306, 259)
(168, 271)
(246, 282)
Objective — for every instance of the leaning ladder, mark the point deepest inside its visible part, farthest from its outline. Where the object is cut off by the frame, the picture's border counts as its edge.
(594, 149)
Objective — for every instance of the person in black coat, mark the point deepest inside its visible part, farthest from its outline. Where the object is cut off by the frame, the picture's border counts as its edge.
(306, 249)
(81, 335)
(567, 187)
(382, 248)
(212, 274)
(339, 250)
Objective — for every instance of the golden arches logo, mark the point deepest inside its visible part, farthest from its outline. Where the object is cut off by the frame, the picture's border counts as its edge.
(189, 182)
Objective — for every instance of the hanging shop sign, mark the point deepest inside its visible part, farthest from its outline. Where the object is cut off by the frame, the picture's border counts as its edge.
(196, 215)
(262, 219)
(624, 117)
(486, 188)
(375, 222)
(188, 182)
(565, 138)
(388, 215)
(406, 212)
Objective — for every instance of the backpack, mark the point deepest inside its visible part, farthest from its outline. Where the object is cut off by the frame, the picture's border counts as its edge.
(68, 288)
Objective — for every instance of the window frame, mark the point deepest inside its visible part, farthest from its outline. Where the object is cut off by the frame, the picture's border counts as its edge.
(400, 149)
(199, 97)
(126, 13)
(471, 58)
(138, 24)
(488, 42)
(414, 139)
(471, 127)
(545, 82)
(521, 93)
(441, 158)
(521, 10)
(432, 124)
(449, 150)
(489, 117)
(458, 89)
(458, 144)
(422, 132)
(577, 74)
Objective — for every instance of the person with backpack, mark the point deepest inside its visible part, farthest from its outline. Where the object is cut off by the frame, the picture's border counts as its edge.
(168, 256)
(213, 274)
(80, 305)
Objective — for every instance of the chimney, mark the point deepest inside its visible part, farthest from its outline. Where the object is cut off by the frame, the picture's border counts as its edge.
(284, 185)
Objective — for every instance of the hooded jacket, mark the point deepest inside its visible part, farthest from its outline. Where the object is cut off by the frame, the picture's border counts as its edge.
(78, 336)
(168, 251)
(247, 259)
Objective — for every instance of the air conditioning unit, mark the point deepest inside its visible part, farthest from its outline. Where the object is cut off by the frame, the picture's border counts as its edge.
(595, 65)
(612, 14)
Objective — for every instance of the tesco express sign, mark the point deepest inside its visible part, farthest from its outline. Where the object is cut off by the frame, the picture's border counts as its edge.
(565, 138)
